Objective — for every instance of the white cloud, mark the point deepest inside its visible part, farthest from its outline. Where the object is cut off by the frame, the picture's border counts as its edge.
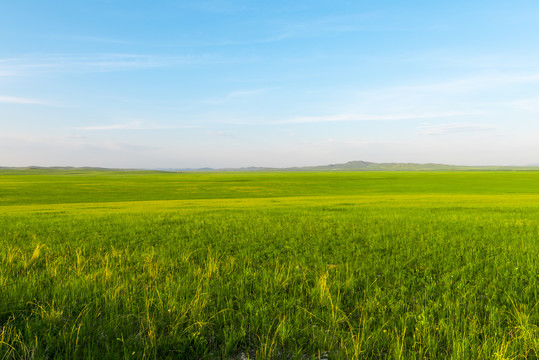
(136, 125)
(450, 93)
(120, 146)
(92, 63)
(235, 95)
(133, 125)
(43, 139)
(366, 117)
(62, 149)
(454, 128)
(21, 100)
(87, 38)
(474, 96)
(486, 81)
(529, 104)
(243, 93)
(221, 134)
(314, 27)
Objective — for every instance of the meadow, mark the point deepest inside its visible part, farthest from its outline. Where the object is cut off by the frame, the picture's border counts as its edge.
(271, 265)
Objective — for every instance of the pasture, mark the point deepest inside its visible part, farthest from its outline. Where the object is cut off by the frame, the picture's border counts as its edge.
(273, 265)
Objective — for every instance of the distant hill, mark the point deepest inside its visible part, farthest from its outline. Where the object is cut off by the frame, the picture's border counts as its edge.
(370, 166)
(349, 166)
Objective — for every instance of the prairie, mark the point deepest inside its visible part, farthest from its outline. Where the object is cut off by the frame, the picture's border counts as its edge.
(310, 265)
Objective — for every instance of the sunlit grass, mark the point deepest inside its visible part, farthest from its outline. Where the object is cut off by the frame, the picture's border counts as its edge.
(338, 276)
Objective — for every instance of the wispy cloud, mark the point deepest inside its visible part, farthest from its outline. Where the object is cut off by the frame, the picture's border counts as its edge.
(197, 43)
(93, 63)
(221, 134)
(528, 104)
(486, 81)
(243, 93)
(454, 128)
(471, 95)
(366, 117)
(41, 138)
(188, 42)
(314, 27)
(472, 60)
(71, 141)
(120, 146)
(235, 95)
(21, 100)
(87, 38)
(124, 126)
(211, 6)
(133, 125)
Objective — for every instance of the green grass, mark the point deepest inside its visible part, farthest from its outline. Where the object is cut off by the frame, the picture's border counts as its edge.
(106, 265)
(77, 186)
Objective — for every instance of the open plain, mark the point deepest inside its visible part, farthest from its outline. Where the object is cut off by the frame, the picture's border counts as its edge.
(298, 265)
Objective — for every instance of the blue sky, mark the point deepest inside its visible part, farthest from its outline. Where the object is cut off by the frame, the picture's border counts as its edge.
(178, 84)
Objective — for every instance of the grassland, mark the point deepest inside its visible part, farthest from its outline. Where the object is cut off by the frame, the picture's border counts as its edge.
(132, 265)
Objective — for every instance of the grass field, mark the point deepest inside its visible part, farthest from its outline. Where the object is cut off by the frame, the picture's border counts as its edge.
(383, 265)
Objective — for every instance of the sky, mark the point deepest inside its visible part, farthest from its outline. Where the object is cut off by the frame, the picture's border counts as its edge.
(234, 83)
